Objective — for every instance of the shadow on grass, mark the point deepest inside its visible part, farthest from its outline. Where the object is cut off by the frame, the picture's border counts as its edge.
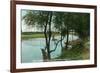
(75, 53)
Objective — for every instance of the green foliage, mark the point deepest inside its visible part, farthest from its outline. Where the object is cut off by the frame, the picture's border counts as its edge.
(76, 53)
(73, 54)
(82, 22)
(63, 22)
(42, 19)
(30, 18)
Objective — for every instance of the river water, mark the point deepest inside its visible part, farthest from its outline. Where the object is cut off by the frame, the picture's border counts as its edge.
(31, 49)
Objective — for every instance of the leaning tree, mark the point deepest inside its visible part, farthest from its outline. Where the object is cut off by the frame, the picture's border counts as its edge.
(41, 20)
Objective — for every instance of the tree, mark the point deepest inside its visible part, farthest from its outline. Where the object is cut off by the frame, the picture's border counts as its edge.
(82, 23)
(63, 22)
(42, 20)
(59, 25)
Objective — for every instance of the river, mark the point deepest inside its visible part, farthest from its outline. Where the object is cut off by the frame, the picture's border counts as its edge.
(31, 49)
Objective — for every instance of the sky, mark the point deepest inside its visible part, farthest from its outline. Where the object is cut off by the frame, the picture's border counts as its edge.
(26, 28)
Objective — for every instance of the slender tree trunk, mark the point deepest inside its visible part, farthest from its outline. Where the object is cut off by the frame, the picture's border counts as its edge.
(44, 52)
(67, 41)
(72, 34)
(46, 41)
(61, 41)
(49, 34)
(45, 34)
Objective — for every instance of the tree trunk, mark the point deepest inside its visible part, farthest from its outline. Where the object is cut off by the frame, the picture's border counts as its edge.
(67, 41)
(46, 40)
(44, 54)
(61, 41)
(49, 34)
(72, 34)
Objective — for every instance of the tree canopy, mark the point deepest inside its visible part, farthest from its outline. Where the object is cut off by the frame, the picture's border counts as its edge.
(64, 22)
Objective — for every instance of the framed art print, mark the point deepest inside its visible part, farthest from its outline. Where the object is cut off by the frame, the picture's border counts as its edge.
(52, 36)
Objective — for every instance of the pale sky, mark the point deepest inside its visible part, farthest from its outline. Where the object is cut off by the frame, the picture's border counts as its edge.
(26, 28)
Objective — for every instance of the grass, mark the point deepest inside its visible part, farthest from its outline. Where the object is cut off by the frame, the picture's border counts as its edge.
(77, 52)
(74, 54)
(29, 35)
(32, 36)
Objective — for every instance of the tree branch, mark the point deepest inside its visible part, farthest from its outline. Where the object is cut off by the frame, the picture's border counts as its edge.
(57, 44)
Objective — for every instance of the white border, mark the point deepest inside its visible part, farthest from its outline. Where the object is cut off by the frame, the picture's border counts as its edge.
(20, 65)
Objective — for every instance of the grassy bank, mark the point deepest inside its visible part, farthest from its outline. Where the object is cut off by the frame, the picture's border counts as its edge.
(32, 36)
(29, 35)
(77, 52)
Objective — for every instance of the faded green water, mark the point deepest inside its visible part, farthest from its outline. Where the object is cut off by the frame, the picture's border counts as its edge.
(31, 49)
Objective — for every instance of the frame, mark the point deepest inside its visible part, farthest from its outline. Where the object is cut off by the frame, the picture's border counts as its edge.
(67, 59)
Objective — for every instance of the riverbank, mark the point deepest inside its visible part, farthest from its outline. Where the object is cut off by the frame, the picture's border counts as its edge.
(23, 36)
(30, 35)
(77, 52)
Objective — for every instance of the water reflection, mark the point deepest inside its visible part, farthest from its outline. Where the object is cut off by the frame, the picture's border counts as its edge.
(31, 49)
